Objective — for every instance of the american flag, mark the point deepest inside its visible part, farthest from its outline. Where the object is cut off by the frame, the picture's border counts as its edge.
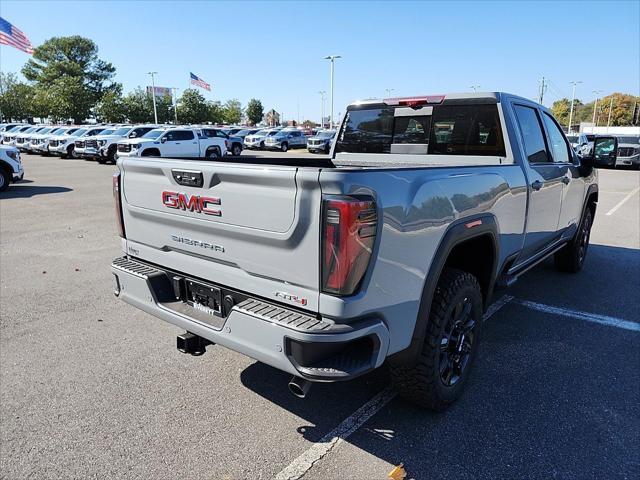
(10, 35)
(196, 80)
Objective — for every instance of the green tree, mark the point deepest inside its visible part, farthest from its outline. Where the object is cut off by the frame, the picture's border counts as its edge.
(16, 98)
(192, 107)
(71, 68)
(215, 112)
(621, 107)
(138, 106)
(111, 107)
(255, 111)
(232, 111)
(164, 107)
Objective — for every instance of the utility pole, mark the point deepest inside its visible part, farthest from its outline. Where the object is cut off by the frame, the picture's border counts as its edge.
(573, 96)
(323, 96)
(175, 103)
(153, 95)
(389, 90)
(332, 59)
(595, 106)
(474, 88)
(543, 88)
(610, 108)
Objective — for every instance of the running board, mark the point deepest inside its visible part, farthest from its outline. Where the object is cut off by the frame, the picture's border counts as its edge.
(510, 277)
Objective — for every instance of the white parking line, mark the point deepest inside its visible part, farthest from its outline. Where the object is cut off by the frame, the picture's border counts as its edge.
(301, 465)
(621, 202)
(589, 317)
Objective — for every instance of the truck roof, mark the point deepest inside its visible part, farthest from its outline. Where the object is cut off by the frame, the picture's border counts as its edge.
(492, 97)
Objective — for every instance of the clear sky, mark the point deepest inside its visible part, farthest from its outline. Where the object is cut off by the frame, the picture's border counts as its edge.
(274, 50)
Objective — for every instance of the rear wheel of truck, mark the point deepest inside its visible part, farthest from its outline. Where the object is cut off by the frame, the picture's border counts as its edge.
(453, 333)
(213, 153)
(571, 257)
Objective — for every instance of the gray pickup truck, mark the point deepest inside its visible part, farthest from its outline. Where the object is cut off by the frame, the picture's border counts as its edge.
(387, 251)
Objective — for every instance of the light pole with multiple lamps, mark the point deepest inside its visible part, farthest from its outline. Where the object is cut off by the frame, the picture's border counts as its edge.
(388, 91)
(332, 59)
(595, 107)
(573, 97)
(153, 95)
(323, 96)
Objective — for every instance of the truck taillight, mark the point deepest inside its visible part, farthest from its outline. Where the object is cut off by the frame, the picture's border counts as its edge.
(349, 231)
(118, 203)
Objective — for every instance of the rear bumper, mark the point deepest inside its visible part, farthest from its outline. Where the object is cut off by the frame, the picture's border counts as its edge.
(306, 346)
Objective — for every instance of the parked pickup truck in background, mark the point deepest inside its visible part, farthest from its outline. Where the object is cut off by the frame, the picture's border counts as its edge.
(389, 251)
(103, 147)
(175, 142)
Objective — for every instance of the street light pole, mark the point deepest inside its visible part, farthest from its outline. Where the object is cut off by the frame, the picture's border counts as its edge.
(332, 59)
(474, 88)
(175, 103)
(389, 90)
(323, 95)
(595, 106)
(153, 95)
(573, 96)
(610, 108)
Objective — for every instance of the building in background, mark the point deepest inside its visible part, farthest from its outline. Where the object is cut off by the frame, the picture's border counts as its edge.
(272, 118)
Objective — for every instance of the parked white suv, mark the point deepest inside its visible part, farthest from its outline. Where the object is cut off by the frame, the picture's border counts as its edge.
(10, 166)
(174, 142)
(103, 147)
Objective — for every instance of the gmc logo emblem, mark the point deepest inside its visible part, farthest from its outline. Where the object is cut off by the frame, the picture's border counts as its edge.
(193, 203)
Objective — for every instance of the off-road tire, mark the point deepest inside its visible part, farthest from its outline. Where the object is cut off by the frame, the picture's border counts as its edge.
(572, 256)
(422, 383)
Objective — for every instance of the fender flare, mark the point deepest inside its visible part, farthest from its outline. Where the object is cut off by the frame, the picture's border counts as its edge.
(456, 233)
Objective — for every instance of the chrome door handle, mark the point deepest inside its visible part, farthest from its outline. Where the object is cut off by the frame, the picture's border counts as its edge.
(566, 180)
(537, 185)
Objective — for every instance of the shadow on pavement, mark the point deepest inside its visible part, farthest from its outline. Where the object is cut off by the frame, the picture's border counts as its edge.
(18, 190)
(550, 397)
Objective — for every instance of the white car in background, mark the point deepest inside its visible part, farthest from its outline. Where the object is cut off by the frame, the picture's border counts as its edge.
(175, 142)
(64, 145)
(256, 141)
(104, 147)
(81, 142)
(9, 137)
(23, 139)
(10, 166)
(40, 144)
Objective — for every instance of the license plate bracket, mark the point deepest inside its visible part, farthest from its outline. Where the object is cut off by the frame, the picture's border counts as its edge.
(205, 298)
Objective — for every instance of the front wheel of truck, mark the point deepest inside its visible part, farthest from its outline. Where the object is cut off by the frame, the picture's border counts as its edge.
(438, 377)
(571, 257)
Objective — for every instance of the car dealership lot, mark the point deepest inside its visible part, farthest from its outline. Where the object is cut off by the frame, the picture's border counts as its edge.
(92, 387)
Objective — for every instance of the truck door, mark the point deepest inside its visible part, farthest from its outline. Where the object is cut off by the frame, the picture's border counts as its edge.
(545, 183)
(181, 144)
(573, 191)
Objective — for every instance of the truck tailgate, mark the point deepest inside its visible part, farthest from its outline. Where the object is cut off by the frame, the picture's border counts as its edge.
(250, 227)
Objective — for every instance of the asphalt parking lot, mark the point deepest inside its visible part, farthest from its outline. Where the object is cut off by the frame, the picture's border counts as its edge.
(91, 387)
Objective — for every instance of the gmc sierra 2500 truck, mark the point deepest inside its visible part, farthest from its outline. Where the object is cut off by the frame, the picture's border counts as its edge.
(389, 250)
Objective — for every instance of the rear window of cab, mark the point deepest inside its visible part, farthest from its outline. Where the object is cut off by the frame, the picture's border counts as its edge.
(448, 130)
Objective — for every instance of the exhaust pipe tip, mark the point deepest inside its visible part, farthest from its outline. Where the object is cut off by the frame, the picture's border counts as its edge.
(299, 386)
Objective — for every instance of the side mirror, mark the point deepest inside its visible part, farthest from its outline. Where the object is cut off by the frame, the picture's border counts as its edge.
(133, 135)
(163, 139)
(605, 151)
(290, 136)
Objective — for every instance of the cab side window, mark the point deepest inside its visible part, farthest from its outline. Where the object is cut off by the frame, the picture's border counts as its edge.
(534, 144)
(178, 135)
(559, 146)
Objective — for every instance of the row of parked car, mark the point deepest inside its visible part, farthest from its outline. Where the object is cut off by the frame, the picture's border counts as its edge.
(628, 148)
(105, 143)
